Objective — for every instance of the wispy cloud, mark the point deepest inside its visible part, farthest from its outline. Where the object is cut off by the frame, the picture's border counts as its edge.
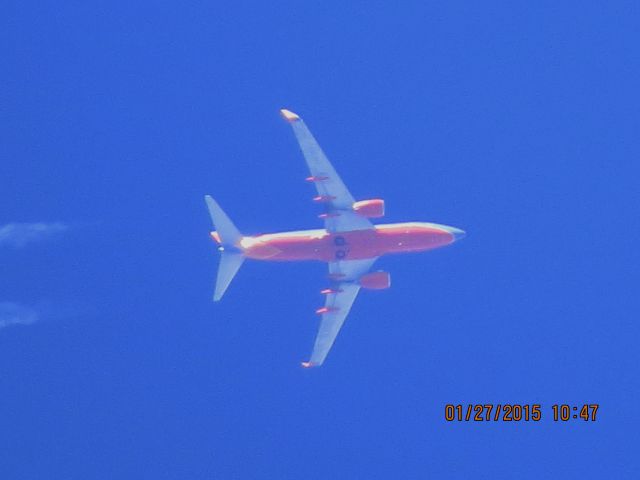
(15, 314)
(19, 234)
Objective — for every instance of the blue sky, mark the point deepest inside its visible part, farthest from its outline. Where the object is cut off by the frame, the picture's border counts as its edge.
(517, 123)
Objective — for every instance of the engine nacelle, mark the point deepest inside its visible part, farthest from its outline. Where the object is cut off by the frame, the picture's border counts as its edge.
(370, 208)
(376, 280)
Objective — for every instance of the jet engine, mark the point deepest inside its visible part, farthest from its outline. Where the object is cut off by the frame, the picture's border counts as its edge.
(370, 208)
(375, 280)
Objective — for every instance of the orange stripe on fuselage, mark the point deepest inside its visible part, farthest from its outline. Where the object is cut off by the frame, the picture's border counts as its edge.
(324, 246)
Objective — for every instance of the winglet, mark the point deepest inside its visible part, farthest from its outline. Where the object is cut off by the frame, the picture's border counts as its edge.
(289, 116)
(308, 364)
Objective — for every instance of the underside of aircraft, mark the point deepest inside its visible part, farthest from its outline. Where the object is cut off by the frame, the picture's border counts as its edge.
(349, 242)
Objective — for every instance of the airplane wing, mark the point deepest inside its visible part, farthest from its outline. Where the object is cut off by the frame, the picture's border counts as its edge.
(332, 192)
(337, 305)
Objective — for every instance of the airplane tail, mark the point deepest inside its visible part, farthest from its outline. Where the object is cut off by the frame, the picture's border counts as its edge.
(228, 236)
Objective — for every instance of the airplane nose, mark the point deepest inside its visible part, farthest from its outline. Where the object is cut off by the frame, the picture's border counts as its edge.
(457, 233)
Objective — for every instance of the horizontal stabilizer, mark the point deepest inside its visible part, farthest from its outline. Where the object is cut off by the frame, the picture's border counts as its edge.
(229, 234)
(229, 265)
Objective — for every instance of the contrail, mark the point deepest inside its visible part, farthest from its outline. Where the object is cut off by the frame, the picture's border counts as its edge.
(15, 314)
(20, 234)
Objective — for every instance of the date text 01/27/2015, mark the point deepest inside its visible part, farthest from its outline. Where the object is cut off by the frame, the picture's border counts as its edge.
(512, 412)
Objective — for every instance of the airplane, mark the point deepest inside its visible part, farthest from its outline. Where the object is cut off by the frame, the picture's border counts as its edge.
(349, 243)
